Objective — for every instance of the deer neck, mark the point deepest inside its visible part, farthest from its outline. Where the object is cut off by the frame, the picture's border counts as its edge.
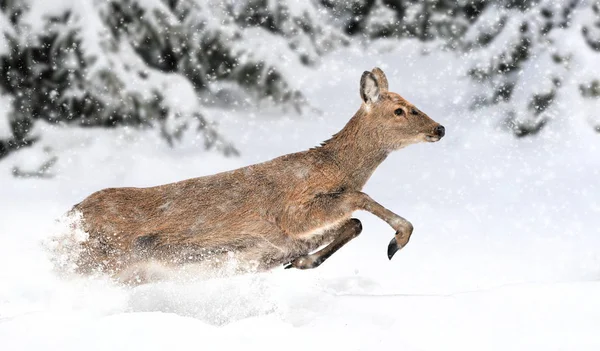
(356, 152)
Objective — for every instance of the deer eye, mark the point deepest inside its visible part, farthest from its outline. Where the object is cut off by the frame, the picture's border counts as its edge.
(414, 112)
(399, 112)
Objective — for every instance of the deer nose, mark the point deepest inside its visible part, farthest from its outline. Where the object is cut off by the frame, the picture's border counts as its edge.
(440, 131)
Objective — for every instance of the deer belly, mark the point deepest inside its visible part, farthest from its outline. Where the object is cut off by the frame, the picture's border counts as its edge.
(320, 231)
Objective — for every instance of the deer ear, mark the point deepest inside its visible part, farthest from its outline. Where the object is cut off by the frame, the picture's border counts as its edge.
(381, 79)
(369, 89)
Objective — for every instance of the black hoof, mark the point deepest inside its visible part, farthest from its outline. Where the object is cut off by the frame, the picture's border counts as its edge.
(392, 248)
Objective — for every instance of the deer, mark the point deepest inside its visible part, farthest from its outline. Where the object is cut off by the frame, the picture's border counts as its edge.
(293, 211)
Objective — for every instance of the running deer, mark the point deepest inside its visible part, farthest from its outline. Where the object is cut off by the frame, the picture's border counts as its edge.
(272, 213)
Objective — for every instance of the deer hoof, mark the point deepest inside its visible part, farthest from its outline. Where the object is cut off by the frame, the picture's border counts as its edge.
(392, 248)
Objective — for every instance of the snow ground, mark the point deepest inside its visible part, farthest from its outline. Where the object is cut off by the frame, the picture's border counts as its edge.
(505, 253)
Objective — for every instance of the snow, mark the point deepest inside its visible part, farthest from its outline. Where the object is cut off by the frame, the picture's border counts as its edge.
(382, 18)
(5, 108)
(504, 253)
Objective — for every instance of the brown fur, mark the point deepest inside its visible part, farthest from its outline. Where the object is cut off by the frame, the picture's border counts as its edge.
(270, 213)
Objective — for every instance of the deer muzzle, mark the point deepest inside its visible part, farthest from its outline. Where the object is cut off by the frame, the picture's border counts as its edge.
(437, 133)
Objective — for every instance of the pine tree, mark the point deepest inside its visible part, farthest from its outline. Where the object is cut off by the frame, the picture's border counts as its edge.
(421, 19)
(527, 54)
(128, 62)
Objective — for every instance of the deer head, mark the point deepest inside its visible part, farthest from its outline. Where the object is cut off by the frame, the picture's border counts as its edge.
(393, 121)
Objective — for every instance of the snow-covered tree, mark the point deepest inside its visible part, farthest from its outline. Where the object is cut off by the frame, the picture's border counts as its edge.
(156, 63)
(421, 19)
(151, 63)
(526, 55)
(531, 56)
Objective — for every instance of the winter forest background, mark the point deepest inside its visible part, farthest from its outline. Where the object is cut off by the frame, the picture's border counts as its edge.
(506, 207)
(107, 64)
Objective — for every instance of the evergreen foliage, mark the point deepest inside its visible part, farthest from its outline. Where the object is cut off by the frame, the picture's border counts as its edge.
(156, 63)
(120, 62)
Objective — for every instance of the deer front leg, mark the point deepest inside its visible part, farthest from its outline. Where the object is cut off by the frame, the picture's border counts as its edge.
(403, 227)
(330, 207)
(348, 231)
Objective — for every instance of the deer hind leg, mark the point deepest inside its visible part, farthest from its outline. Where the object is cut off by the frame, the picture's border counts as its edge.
(348, 231)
